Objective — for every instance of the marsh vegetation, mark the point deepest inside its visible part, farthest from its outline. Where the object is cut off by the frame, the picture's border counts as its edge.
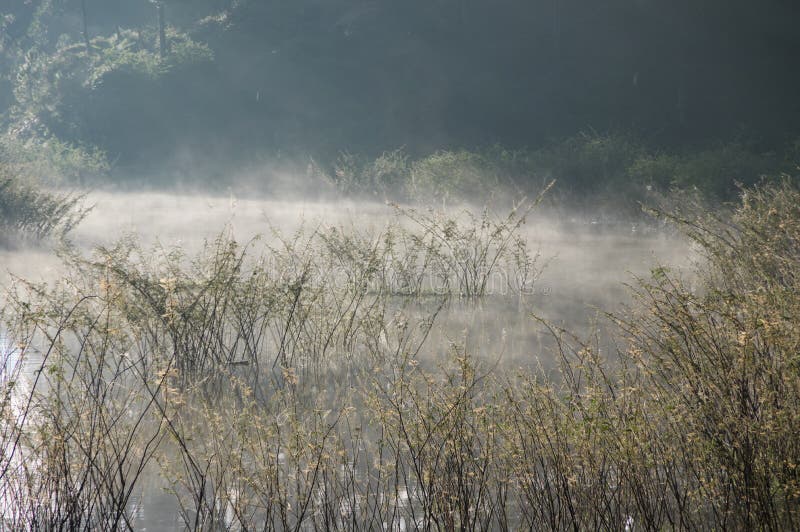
(298, 382)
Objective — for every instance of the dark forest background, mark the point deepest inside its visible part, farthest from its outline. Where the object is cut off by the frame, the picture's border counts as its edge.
(128, 87)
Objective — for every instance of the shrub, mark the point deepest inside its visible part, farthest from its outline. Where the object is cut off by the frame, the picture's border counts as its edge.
(37, 156)
(386, 176)
(452, 175)
(26, 212)
(589, 162)
(717, 172)
(720, 365)
(606, 173)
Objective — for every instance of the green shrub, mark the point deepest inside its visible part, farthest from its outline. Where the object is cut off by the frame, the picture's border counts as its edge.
(452, 175)
(589, 162)
(718, 171)
(444, 175)
(611, 172)
(385, 176)
(655, 170)
(26, 212)
(48, 160)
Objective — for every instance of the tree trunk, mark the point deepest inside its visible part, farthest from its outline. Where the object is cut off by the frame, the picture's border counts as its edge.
(556, 30)
(163, 47)
(85, 27)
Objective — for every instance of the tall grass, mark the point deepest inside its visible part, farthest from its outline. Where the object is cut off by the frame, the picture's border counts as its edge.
(299, 389)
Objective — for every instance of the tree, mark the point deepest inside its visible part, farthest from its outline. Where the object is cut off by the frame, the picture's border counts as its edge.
(85, 27)
(163, 45)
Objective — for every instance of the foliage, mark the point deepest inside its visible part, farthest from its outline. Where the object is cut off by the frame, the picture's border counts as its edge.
(611, 172)
(44, 80)
(43, 158)
(717, 171)
(313, 77)
(589, 162)
(69, 94)
(385, 176)
(27, 212)
(443, 174)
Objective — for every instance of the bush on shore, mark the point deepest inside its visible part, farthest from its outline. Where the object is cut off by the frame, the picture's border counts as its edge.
(598, 171)
(27, 212)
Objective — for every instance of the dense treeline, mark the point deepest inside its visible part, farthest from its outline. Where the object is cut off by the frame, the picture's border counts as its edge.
(223, 80)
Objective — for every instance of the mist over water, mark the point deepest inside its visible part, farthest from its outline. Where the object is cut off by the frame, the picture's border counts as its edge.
(583, 262)
(583, 267)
